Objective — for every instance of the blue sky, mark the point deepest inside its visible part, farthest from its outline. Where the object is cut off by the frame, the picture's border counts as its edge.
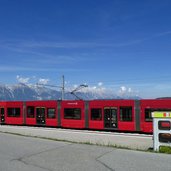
(117, 44)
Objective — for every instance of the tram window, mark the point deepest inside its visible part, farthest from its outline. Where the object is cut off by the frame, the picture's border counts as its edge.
(40, 111)
(96, 114)
(30, 112)
(72, 113)
(13, 112)
(2, 111)
(126, 113)
(164, 125)
(148, 115)
(51, 113)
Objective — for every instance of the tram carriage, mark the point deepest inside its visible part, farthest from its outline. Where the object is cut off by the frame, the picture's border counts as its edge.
(113, 115)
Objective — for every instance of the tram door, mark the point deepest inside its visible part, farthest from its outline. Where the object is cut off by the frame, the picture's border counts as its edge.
(40, 116)
(110, 117)
(2, 115)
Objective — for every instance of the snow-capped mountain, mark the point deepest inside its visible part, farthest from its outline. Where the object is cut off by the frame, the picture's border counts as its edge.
(32, 92)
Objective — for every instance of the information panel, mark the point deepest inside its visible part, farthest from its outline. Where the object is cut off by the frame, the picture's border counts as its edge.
(161, 129)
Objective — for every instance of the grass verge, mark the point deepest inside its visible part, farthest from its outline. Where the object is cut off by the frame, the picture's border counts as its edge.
(165, 149)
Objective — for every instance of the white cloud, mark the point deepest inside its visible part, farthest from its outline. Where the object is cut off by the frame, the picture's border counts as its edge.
(43, 81)
(164, 33)
(123, 89)
(127, 92)
(31, 80)
(22, 80)
(75, 85)
(100, 84)
(108, 92)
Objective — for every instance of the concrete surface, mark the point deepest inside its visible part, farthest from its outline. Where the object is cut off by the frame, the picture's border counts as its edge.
(19, 153)
(133, 141)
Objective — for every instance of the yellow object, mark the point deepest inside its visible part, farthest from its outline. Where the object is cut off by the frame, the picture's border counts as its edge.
(161, 114)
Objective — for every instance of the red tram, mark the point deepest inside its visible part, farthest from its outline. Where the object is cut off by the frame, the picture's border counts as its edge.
(114, 115)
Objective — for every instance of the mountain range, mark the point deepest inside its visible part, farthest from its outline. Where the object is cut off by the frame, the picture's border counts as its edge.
(33, 92)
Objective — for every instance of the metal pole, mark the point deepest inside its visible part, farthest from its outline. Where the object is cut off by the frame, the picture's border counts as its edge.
(63, 87)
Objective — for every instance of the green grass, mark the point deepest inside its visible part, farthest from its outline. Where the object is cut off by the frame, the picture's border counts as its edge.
(165, 149)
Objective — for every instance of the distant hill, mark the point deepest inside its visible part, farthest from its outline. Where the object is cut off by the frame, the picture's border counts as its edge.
(30, 92)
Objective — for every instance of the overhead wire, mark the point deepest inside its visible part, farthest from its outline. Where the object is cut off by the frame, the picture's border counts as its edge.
(134, 81)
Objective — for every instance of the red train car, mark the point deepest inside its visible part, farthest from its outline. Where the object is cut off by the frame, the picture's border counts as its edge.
(147, 107)
(13, 112)
(112, 115)
(72, 114)
(2, 112)
(115, 115)
(43, 113)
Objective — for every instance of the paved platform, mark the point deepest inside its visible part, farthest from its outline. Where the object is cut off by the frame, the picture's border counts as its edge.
(125, 140)
(20, 153)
